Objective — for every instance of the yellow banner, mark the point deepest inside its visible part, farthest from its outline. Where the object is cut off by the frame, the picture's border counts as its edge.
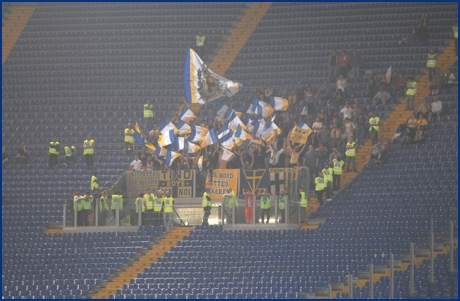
(222, 179)
(180, 183)
(299, 135)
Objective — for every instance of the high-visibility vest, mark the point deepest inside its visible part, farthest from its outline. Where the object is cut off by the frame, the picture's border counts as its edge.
(94, 183)
(129, 135)
(338, 165)
(142, 202)
(89, 150)
(321, 183)
(87, 204)
(455, 29)
(78, 202)
(327, 172)
(148, 112)
(412, 88)
(431, 63)
(169, 202)
(352, 151)
(69, 151)
(200, 40)
(372, 121)
(265, 202)
(158, 204)
(103, 204)
(53, 150)
(232, 199)
(303, 200)
(205, 202)
(116, 198)
(150, 201)
(282, 199)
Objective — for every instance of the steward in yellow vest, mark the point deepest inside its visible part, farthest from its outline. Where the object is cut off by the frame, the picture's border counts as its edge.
(129, 138)
(87, 201)
(148, 114)
(411, 90)
(303, 204)
(70, 153)
(207, 206)
(78, 206)
(374, 127)
(88, 150)
(350, 154)
(282, 200)
(327, 172)
(337, 173)
(265, 205)
(321, 187)
(53, 149)
(152, 218)
(103, 208)
(200, 44)
(94, 182)
(168, 202)
(140, 201)
(232, 200)
(431, 63)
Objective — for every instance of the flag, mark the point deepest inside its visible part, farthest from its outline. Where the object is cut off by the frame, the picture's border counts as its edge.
(200, 162)
(299, 135)
(183, 128)
(226, 138)
(279, 104)
(160, 151)
(226, 155)
(197, 134)
(167, 138)
(302, 125)
(138, 137)
(258, 126)
(209, 139)
(203, 85)
(241, 136)
(234, 121)
(170, 157)
(261, 108)
(248, 108)
(186, 114)
(167, 126)
(304, 110)
(221, 110)
(270, 130)
(388, 75)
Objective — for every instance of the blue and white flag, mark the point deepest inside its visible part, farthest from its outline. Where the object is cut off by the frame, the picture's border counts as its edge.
(167, 138)
(197, 134)
(170, 157)
(226, 137)
(209, 139)
(186, 114)
(184, 129)
(167, 125)
(261, 108)
(279, 104)
(302, 125)
(259, 124)
(160, 151)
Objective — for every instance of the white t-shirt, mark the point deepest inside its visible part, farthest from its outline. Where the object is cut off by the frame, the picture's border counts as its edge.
(342, 84)
(136, 164)
(436, 106)
(347, 112)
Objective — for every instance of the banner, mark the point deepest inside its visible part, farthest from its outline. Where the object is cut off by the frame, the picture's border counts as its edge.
(179, 182)
(256, 180)
(222, 179)
(283, 178)
(299, 135)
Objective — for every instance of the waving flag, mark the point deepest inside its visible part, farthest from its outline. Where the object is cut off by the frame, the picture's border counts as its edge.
(160, 152)
(279, 104)
(304, 110)
(388, 75)
(261, 108)
(302, 125)
(299, 135)
(184, 129)
(209, 139)
(258, 126)
(203, 85)
(170, 157)
(221, 110)
(200, 162)
(138, 137)
(198, 133)
(186, 114)
(226, 155)
(241, 136)
(167, 126)
(167, 138)
(233, 121)
(181, 144)
(270, 130)
(226, 138)
(248, 108)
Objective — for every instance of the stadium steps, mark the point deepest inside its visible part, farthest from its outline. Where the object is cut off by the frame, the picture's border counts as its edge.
(165, 244)
(13, 28)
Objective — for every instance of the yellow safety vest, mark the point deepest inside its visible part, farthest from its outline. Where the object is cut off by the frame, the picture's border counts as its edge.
(327, 172)
(94, 184)
(69, 151)
(321, 183)
(148, 112)
(103, 204)
(205, 202)
(352, 151)
(169, 202)
(78, 202)
(142, 200)
(303, 200)
(372, 121)
(412, 88)
(200, 40)
(90, 149)
(282, 201)
(455, 29)
(53, 150)
(87, 204)
(431, 63)
(116, 198)
(265, 202)
(232, 199)
(129, 135)
(158, 204)
(338, 165)
(150, 201)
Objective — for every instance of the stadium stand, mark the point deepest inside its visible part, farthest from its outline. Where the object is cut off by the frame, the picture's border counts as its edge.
(80, 68)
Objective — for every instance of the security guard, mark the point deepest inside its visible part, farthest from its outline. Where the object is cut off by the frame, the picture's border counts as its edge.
(431, 63)
(351, 153)
(232, 200)
(265, 205)
(321, 187)
(455, 34)
(199, 43)
(374, 127)
(94, 182)
(87, 206)
(70, 153)
(54, 149)
(327, 172)
(282, 200)
(152, 215)
(117, 198)
(78, 205)
(88, 150)
(207, 206)
(168, 202)
(303, 204)
(140, 201)
(337, 173)
(411, 90)
(148, 114)
(103, 208)
(129, 139)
